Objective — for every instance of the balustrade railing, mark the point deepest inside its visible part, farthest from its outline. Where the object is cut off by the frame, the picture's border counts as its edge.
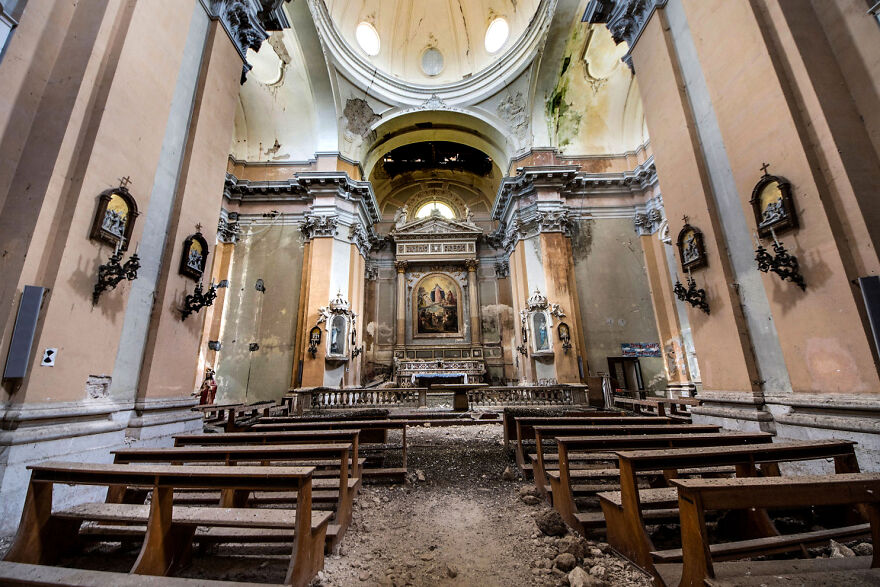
(528, 395)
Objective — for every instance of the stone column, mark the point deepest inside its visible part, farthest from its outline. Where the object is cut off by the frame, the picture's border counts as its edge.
(474, 302)
(663, 300)
(400, 338)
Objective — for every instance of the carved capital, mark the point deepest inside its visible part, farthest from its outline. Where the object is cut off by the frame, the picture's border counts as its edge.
(472, 264)
(502, 269)
(401, 266)
(371, 272)
(314, 226)
(554, 221)
(228, 228)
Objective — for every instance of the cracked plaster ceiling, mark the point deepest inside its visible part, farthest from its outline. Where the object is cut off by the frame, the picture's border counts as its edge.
(407, 29)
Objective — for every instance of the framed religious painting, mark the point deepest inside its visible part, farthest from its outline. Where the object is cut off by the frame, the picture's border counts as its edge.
(114, 217)
(194, 256)
(691, 249)
(773, 205)
(437, 307)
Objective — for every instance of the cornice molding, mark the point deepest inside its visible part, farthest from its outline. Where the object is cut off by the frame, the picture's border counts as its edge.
(303, 186)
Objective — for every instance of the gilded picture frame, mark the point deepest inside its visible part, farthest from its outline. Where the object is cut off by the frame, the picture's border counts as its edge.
(691, 249)
(194, 256)
(773, 206)
(115, 216)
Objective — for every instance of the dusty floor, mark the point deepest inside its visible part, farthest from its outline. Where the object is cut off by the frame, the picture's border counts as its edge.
(457, 521)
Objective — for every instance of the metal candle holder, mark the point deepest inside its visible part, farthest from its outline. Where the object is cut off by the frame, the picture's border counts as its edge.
(692, 295)
(198, 300)
(782, 263)
(112, 272)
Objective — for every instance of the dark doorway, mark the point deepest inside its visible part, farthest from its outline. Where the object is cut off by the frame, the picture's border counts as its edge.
(626, 373)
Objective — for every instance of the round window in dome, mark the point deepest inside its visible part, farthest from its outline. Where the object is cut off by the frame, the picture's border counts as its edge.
(367, 38)
(435, 206)
(496, 35)
(432, 61)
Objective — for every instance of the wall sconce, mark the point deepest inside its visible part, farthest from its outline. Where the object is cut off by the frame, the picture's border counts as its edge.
(692, 295)
(522, 350)
(783, 263)
(314, 340)
(198, 300)
(112, 272)
(356, 351)
(564, 336)
(214, 345)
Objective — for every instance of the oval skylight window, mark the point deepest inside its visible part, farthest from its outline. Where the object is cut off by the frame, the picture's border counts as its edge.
(440, 207)
(432, 61)
(496, 35)
(367, 38)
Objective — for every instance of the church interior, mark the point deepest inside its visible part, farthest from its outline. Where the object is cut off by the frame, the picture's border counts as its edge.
(592, 279)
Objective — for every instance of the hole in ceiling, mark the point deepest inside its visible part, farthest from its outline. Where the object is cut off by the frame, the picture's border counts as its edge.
(267, 66)
(368, 38)
(496, 35)
(436, 155)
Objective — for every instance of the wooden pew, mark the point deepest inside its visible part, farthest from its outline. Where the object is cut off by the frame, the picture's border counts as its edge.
(371, 432)
(44, 535)
(524, 430)
(21, 574)
(563, 481)
(337, 492)
(542, 461)
(626, 510)
(509, 417)
(700, 558)
(218, 413)
(288, 437)
(663, 407)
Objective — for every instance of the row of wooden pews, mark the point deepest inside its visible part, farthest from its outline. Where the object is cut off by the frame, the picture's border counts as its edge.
(639, 403)
(294, 487)
(618, 475)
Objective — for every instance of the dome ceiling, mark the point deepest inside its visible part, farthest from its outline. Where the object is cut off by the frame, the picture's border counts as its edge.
(431, 43)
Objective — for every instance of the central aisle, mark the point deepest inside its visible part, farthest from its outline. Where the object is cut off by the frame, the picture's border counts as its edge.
(457, 522)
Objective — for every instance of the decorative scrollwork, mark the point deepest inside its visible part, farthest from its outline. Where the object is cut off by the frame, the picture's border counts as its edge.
(198, 300)
(692, 295)
(782, 263)
(112, 272)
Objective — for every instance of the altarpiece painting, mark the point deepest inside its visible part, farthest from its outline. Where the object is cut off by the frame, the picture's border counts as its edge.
(437, 305)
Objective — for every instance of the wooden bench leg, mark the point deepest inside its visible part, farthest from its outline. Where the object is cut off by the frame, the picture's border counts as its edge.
(752, 522)
(307, 557)
(165, 544)
(697, 565)
(41, 538)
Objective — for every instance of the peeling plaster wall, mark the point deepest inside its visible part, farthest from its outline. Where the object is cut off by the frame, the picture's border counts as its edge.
(614, 295)
(593, 108)
(275, 255)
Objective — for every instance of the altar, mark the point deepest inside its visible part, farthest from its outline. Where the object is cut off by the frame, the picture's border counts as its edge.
(422, 373)
(438, 336)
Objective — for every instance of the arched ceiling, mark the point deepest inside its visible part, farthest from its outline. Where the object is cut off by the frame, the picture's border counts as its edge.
(572, 93)
(455, 28)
